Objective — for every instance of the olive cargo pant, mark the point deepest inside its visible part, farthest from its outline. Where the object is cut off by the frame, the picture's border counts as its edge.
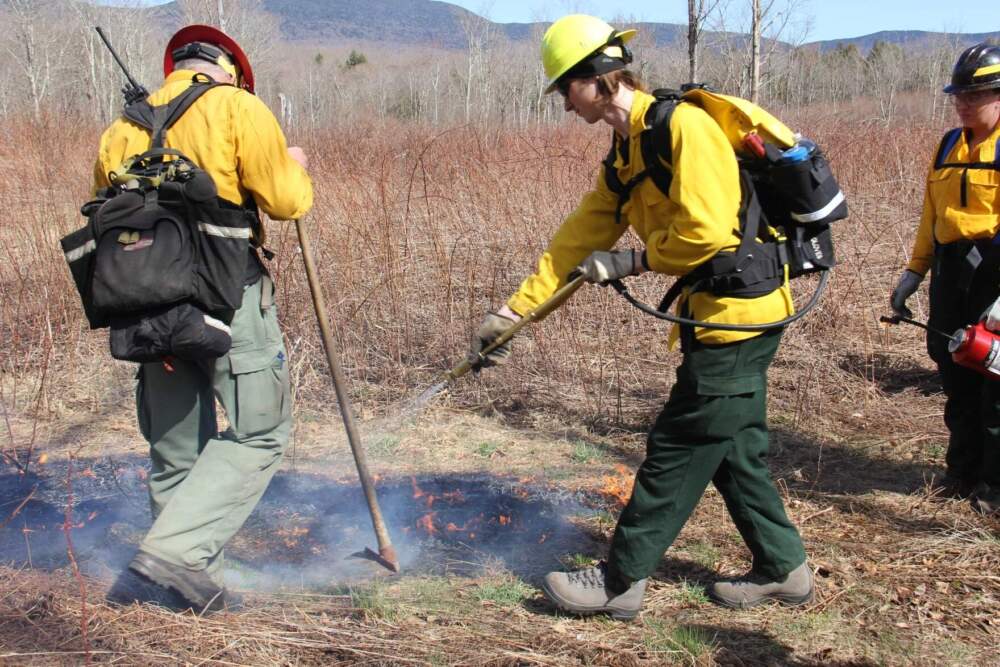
(204, 483)
(712, 428)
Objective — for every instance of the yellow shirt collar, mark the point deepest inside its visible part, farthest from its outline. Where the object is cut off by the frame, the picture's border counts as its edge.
(637, 115)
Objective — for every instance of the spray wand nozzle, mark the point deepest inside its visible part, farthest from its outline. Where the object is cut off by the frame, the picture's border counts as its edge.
(896, 318)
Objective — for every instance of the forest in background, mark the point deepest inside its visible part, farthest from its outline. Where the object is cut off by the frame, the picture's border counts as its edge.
(53, 64)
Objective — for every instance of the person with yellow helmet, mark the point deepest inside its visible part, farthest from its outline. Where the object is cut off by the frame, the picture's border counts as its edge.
(204, 483)
(958, 241)
(713, 426)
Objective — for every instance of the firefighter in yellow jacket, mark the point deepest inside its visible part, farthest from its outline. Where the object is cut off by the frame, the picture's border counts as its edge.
(204, 483)
(713, 427)
(958, 241)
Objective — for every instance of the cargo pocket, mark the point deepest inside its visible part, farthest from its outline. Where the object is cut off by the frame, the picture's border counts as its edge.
(263, 399)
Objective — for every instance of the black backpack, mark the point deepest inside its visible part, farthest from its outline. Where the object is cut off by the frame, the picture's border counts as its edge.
(158, 243)
(793, 191)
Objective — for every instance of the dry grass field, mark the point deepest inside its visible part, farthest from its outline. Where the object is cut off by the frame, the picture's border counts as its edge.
(508, 474)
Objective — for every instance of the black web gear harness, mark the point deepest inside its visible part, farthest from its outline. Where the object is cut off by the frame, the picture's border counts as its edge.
(764, 259)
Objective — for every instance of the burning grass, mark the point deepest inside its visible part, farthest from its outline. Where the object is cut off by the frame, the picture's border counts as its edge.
(417, 232)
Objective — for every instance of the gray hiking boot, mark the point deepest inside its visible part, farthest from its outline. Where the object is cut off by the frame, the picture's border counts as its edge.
(584, 592)
(194, 586)
(753, 589)
(986, 499)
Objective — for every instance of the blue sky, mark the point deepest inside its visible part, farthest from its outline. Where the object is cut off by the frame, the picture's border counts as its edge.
(828, 19)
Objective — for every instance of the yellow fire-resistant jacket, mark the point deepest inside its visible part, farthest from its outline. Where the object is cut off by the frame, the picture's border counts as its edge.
(944, 218)
(229, 133)
(682, 230)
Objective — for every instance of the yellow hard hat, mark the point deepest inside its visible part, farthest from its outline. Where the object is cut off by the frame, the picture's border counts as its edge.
(571, 39)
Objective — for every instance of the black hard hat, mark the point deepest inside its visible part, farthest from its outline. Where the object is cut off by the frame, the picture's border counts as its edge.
(978, 68)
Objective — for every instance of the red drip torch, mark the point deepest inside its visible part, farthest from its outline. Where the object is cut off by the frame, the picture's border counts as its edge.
(974, 347)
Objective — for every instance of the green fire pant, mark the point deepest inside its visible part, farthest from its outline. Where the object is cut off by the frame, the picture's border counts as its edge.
(712, 428)
(204, 483)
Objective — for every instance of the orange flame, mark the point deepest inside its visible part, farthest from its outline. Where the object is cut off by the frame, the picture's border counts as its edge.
(427, 523)
(290, 536)
(504, 520)
(619, 487)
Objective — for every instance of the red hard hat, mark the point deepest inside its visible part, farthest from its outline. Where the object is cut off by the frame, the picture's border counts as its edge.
(214, 36)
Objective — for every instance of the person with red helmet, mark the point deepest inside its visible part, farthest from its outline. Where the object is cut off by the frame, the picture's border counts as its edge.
(958, 241)
(204, 483)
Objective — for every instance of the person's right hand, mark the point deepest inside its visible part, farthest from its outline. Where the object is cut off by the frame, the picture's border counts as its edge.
(908, 284)
(493, 325)
(299, 155)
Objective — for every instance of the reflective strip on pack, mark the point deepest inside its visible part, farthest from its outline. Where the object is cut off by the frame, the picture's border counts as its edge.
(224, 232)
(76, 253)
(823, 212)
(217, 324)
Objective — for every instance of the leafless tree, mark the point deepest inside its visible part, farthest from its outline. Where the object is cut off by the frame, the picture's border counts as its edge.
(254, 29)
(754, 50)
(698, 13)
(777, 24)
(36, 47)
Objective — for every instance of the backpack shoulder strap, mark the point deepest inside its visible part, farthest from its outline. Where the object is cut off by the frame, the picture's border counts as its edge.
(655, 141)
(140, 113)
(611, 178)
(158, 119)
(948, 142)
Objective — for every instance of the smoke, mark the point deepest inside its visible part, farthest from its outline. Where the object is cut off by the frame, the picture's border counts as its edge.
(308, 530)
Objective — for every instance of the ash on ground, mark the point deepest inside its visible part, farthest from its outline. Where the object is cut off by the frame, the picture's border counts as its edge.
(308, 530)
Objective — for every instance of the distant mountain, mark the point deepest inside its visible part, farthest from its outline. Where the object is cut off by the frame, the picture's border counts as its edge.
(444, 25)
(916, 39)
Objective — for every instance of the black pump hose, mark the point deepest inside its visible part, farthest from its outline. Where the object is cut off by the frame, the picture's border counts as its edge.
(649, 310)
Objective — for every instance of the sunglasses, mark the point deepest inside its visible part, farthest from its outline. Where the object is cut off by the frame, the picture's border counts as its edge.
(974, 98)
(563, 86)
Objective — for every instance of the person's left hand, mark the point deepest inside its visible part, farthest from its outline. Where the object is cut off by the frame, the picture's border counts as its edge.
(991, 316)
(603, 266)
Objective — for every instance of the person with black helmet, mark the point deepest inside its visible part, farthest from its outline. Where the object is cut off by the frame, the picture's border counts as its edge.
(713, 426)
(204, 483)
(958, 241)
